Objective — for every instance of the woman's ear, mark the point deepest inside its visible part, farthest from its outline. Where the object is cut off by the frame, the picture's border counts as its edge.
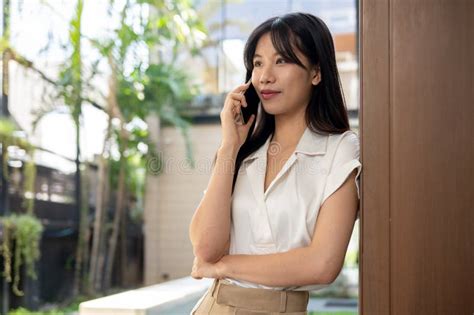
(316, 76)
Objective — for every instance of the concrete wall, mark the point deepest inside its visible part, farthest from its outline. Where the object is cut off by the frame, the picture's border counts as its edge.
(171, 200)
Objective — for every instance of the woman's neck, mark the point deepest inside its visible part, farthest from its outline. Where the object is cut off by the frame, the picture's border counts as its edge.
(288, 131)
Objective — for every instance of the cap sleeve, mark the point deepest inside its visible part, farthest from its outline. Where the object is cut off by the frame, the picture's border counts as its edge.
(345, 160)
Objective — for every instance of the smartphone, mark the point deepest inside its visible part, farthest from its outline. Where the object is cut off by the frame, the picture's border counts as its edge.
(252, 99)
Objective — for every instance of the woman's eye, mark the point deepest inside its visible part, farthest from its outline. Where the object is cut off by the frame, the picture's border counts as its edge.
(279, 60)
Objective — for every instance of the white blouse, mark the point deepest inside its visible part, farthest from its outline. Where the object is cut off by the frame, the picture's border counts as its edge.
(283, 218)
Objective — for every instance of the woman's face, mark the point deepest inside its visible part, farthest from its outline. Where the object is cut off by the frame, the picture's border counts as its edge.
(283, 87)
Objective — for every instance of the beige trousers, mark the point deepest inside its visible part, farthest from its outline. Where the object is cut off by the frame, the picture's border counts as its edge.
(224, 298)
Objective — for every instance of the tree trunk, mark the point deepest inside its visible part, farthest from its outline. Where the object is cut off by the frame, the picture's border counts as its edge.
(103, 234)
(120, 197)
(98, 250)
(82, 246)
(87, 236)
(102, 192)
(123, 241)
(94, 270)
(78, 198)
(76, 107)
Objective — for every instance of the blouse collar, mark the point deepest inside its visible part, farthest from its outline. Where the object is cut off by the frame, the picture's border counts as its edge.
(310, 143)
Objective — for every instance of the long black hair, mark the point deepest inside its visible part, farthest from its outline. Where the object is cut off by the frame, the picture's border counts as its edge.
(326, 111)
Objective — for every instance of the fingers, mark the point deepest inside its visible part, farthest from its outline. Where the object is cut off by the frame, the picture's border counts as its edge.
(234, 103)
(195, 276)
(250, 121)
(242, 88)
(194, 269)
(240, 98)
(232, 106)
(248, 124)
(236, 98)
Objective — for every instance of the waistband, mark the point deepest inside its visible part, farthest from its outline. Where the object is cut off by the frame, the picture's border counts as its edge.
(259, 299)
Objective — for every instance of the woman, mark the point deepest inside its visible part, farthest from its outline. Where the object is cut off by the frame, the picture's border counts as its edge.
(281, 203)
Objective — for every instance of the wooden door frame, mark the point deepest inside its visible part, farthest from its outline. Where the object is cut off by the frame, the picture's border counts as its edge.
(375, 108)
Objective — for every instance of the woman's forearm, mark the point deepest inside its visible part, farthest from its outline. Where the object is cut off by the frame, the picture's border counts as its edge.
(210, 226)
(297, 267)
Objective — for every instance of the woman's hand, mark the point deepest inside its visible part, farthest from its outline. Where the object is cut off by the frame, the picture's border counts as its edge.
(202, 269)
(233, 133)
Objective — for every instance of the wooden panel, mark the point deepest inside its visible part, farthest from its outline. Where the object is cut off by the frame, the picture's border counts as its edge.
(417, 109)
(375, 150)
(432, 157)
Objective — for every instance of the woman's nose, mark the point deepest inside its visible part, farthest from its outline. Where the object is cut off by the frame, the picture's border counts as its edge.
(266, 76)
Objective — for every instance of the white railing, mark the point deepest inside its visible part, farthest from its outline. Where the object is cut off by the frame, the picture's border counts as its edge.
(170, 297)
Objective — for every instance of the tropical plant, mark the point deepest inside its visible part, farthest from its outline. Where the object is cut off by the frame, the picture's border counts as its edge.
(9, 138)
(138, 88)
(21, 233)
(149, 88)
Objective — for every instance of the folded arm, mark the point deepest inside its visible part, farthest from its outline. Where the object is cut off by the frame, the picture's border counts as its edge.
(318, 263)
(210, 226)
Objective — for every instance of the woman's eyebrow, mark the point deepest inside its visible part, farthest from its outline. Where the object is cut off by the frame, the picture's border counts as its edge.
(257, 55)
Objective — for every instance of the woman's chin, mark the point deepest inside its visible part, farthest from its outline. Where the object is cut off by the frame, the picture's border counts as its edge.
(272, 109)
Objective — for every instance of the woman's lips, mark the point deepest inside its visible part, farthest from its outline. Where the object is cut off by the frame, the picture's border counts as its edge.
(267, 96)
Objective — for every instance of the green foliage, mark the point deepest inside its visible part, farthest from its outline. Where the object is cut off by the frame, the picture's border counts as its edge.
(8, 138)
(21, 233)
(175, 23)
(69, 87)
(70, 78)
(25, 311)
(68, 307)
(29, 174)
(147, 87)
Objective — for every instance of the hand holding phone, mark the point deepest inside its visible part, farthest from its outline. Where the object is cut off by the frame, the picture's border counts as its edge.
(236, 116)
(252, 101)
(240, 120)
